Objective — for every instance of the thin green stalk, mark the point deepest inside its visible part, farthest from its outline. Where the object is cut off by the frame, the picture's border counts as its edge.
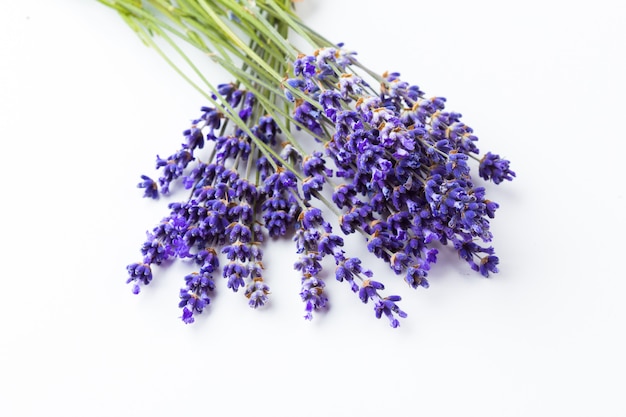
(260, 23)
(237, 41)
(288, 18)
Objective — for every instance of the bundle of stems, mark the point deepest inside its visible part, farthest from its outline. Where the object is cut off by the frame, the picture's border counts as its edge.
(295, 130)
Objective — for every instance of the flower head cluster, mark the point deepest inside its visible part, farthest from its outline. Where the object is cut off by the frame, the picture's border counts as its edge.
(221, 217)
(404, 165)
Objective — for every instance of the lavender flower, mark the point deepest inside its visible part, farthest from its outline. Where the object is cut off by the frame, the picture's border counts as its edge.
(195, 296)
(492, 167)
(152, 189)
(139, 273)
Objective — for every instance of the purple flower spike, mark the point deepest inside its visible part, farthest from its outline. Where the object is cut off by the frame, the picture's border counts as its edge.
(151, 187)
(139, 273)
(235, 273)
(494, 168)
(488, 264)
(388, 307)
(257, 293)
(312, 294)
(369, 290)
(187, 316)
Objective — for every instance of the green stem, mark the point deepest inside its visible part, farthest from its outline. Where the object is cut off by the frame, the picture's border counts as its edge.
(237, 40)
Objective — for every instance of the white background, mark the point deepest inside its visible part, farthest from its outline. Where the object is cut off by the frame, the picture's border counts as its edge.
(84, 109)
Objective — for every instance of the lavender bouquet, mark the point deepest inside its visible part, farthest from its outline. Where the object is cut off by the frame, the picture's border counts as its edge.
(296, 136)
